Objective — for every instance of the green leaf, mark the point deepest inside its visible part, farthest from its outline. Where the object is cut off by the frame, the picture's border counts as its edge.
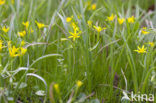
(94, 47)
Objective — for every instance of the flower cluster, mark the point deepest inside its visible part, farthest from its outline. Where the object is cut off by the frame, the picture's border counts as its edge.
(19, 51)
(14, 52)
(5, 29)
(76, 32)
(121, 20)
(144, 31)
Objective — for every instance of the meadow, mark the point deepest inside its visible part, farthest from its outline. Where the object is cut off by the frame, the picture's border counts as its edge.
(77, 51)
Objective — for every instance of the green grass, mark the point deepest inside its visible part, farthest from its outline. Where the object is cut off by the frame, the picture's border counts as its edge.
(96, 59)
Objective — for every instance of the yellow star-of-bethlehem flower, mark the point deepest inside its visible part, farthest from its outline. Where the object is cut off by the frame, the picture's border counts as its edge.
(141, 50)
(9, 43)
(98, 28)
(79, 16)
(131, 19)
(40, 25)
(75, 34)
(151, 44)
(88, 3)
(111, 18)
(93, 6)
(22, 43)
(144, 28)
(121, 20)
(23, 51)
(79, 83)
(56, 87)
(5, 29)
(13, 51)
(1, 45)
(69, 19)
(26, 24)
(22, 33)
(31, 30)
(12, 1)
(89, 22)
(2, 2)
(74, 26)
(144, 31)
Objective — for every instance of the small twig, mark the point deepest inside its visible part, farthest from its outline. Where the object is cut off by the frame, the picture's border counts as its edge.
(90, 95)
(51, 96)
(70, 98)
(35, 43)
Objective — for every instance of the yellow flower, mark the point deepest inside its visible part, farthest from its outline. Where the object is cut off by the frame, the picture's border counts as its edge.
(89, 23)
(22, 33)
(104, 28)
(93, 7)
(56, 87)
(12, 1)
(74, 26)
(68, 19)
(31, 30)
(5, 29)
(144, 31)
(23, 51)
(131, 19)
(80, 16)
(141, 50)
(2, 2)
(13, 51)
(144, 28)
(79, 83)
(111, 18)
(121, 20)
(1, 45)
(9, 43)
(151, 44)
(75, 34)
(22, 43)
(26, 24)
(98, 28)
(40, 25)
(88, 3)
